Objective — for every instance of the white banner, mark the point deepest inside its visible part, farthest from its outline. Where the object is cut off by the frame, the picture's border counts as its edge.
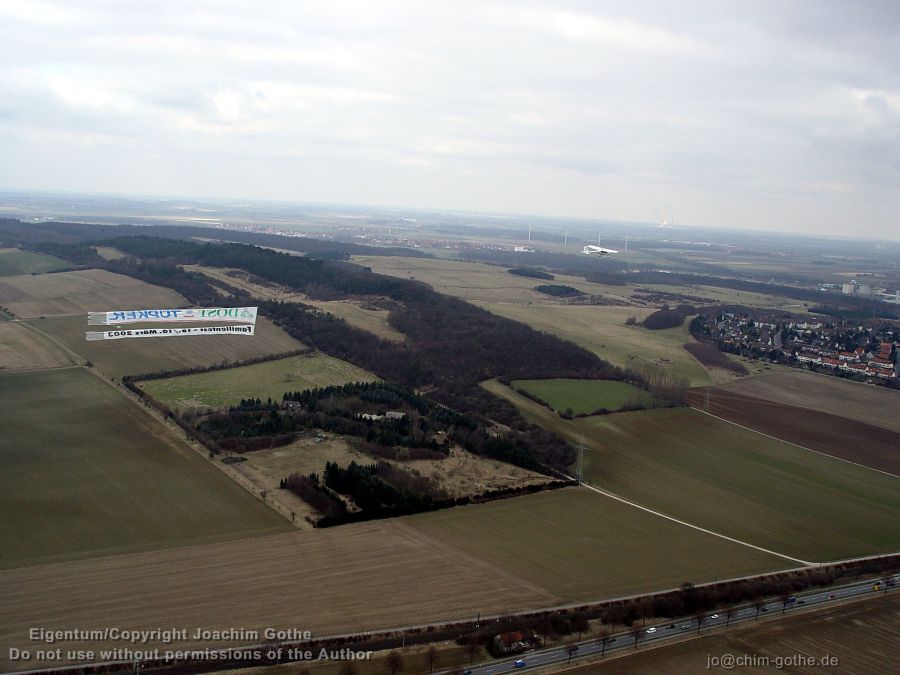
(169, 332)
(234, 314)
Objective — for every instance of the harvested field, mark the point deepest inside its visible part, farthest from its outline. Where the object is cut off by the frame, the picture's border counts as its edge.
(585, 396)
(481, 282)
(865, 403)
(85, 472)
(603, 331)
(734, 481)
(362, 315)
(24, 349)
(70, 293)
(134, 357)
(861, 635)
(729, 296)
(259, 289)
(842, 437)
(585, 545)
(352, 578)
(14, 261)
(270, 379)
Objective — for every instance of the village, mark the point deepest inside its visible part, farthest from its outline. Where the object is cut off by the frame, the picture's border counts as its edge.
(861, 350)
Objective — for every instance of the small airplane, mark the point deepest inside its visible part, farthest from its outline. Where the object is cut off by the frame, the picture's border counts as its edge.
(591, 249)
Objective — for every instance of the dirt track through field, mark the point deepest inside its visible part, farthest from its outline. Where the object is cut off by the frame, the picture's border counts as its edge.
(839, 437)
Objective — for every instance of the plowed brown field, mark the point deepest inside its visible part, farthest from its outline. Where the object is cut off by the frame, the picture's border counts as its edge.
(842, 437)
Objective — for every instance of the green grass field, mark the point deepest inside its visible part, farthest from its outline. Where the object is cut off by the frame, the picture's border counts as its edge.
(85, 472)
(585, 396)
(14, 261)
(583, 545)
(261, 380)
(734, 481)
(133, 357)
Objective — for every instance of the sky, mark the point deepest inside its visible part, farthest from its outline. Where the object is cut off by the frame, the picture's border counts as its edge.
(765, 115)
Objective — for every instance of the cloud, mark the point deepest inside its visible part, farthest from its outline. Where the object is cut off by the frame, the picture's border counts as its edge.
(785, 114)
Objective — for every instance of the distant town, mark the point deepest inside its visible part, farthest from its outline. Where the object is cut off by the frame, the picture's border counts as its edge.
(863, 350)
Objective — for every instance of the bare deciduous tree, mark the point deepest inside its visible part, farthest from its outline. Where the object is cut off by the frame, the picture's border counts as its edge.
(729, 614)
(394, 662)
(432, 656)
(637, 633)
(605, 639)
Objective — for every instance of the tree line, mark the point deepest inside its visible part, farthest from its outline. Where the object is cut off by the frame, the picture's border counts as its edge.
(382, 490)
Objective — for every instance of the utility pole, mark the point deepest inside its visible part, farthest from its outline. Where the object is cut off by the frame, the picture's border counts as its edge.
(579, 464)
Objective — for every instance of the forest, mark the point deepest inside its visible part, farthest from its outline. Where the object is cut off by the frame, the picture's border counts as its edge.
(531, 272)
(451, 346)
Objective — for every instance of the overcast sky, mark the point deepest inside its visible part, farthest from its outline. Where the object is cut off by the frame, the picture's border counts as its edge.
(771, 115)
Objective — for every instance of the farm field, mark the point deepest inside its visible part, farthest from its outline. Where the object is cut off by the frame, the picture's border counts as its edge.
(602, 330)
(116, 358)
(270, 379)
(733, 481)
(330, 581)
(14, 262)
(357, 313)
(585, 396)
(587, 546)
(361, 315)
(84, 472)
(865, 403)
(109, 253)
(482, 282)
(24, 349)
(842, 437)
(730, 296)
(858, 635)
(67, 293)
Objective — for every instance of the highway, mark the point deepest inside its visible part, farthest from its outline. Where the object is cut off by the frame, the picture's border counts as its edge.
(662, 631)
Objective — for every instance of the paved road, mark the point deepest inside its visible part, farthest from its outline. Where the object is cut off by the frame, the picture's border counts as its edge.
(661, 631)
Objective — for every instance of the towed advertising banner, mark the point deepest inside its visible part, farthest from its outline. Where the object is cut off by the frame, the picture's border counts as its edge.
(230, 314)
(169, 332)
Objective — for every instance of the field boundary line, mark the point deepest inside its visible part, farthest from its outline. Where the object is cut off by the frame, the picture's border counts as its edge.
(77, 359)
(611, 495)
(797, 445)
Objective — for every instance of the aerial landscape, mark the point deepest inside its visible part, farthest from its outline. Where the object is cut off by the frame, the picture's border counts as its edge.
(365, 338)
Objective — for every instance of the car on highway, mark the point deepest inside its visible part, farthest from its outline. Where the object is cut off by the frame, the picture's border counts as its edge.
(651, 630)
(520, 663)
(714, 616)
(685, 626)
